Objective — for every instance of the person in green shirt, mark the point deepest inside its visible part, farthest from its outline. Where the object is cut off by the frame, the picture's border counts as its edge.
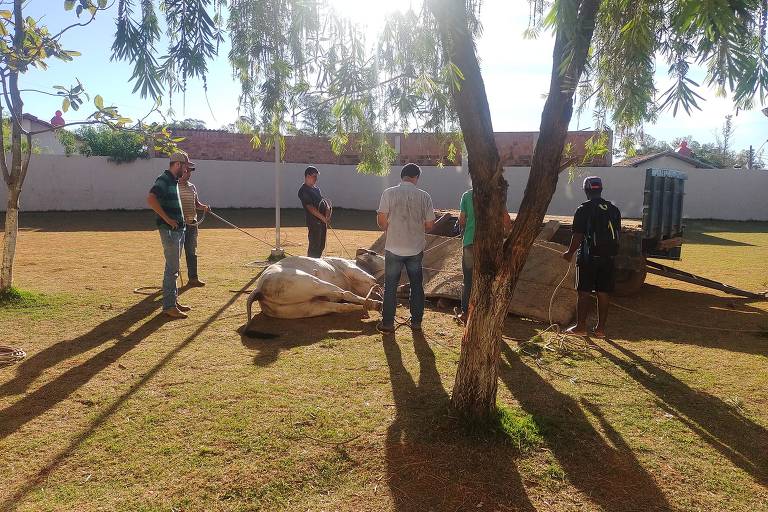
(467, 224)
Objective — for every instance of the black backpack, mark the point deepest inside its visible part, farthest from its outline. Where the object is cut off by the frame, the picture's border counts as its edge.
(603, 229)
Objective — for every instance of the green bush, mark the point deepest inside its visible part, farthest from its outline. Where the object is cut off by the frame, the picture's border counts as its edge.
(68, 140)
(119, 146)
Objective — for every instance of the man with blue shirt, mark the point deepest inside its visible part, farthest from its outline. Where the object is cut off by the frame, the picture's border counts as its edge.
(164, 199)
(405, 213)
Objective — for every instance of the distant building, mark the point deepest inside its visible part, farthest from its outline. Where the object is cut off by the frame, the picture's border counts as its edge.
(47, 142)
(666, 160)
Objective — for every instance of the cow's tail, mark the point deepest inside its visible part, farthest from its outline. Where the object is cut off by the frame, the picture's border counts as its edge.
(251, 333)
(255, 295)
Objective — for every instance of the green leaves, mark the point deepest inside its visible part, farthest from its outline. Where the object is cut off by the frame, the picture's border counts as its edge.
(72, 97)
(119, 145)
(99, 102)
(69, 5)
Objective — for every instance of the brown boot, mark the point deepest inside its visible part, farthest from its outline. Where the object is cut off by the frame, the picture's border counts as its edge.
(183, 308)
(195, 283)
(175, 314)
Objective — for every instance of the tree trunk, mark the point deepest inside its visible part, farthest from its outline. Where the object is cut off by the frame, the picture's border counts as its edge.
(9, 238)
(19, 161)
(499, 261)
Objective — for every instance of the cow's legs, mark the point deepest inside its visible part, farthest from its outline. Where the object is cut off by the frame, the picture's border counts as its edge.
(340, 295)
(308, 309)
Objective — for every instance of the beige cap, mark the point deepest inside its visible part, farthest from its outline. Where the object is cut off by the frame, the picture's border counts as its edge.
(180, 156)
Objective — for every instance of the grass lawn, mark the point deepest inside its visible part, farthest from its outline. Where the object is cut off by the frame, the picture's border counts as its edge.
(116, 409)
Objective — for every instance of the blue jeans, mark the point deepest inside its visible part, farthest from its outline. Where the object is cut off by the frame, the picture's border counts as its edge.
(467, 265)
(172, 241)
(393, 266)
(190, 250)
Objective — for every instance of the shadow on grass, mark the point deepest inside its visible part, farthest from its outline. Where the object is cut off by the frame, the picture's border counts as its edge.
(12, 501)
(707, 239)
(609, 475)
(109, 330)
(431, 466)
(47, 396)
(290, 334)
(682, 316)
(742, 441)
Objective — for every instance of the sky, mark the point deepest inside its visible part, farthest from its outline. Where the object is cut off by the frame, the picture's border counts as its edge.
(516, 73)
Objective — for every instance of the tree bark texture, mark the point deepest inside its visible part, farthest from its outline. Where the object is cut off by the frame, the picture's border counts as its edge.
(499, 261)
(9, 239)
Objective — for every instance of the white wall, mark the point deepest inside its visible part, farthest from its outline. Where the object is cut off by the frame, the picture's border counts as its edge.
(79, 183)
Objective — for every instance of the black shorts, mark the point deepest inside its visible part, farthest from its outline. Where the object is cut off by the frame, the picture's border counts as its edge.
(595, 276)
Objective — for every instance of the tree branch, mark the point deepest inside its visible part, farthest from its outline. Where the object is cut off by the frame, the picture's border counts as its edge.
(16, 118)
(3, 163)
(93, 16)
(25, 162)
(76, 123)
(42, 92)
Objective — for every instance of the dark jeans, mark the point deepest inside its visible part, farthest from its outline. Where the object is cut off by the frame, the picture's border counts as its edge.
(467, 265)
(316, 233)
(393, 266)
(190, 250)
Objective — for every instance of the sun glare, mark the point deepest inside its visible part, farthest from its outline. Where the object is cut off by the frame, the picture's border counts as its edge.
(370, 13)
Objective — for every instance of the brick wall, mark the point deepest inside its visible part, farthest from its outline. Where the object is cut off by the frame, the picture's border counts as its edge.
(515, 148)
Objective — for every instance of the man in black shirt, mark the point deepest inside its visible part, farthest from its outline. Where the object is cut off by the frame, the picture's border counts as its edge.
(596, 232)
(316, 212)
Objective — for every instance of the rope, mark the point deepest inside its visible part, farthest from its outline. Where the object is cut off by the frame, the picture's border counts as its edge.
(10, 355)
(329, 209)
(450, 239)
(368, 303)
(647, 315)
(225, 221)
(695, 326)
(340, 242)
(198, 221)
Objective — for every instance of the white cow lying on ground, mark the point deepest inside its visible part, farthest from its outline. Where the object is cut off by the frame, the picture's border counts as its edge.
(303, 287)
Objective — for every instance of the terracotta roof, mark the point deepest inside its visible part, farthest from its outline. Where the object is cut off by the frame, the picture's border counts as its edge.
(36, 119)
(636, 161)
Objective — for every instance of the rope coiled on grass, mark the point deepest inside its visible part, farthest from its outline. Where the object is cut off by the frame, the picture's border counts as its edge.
(10, 355)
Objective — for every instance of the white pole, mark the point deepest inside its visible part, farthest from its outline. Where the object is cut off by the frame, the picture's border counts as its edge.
(277, 252)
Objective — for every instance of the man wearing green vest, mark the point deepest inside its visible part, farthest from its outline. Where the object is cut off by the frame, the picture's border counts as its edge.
(467, 224)
(164, 199)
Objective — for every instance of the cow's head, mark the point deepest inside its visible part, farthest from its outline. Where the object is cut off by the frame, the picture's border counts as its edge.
(370, 262)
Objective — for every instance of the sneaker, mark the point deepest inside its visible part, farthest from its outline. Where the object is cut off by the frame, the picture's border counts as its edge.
(175, 314)
(385, 329)
(196, 283)
(183, 308)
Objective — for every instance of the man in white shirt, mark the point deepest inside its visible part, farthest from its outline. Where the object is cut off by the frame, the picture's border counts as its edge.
(405, 213)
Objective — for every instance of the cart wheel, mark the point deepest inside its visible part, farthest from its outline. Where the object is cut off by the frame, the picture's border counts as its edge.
(629, 281)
